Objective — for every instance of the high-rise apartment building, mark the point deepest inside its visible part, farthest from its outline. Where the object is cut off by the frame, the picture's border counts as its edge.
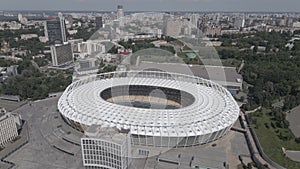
(120, 15)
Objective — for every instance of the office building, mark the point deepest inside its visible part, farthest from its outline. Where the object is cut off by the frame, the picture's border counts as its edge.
(56, 30)
(105, 147)
(61, 55)
(99, 22)
(8, 127)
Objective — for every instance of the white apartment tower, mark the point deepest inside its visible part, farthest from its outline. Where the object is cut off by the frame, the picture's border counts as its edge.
(120, 15)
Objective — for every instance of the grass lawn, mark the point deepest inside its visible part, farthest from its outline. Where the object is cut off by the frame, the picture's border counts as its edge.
(270, 141)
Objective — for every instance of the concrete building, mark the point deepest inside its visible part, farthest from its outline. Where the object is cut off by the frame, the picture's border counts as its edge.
(91, 47)
(105, 147)
(239, 23)
(296, 24)
(8, 127)
(7, 72)
(61, 55)
(225, 76)
(172, 27)
(120, 15)
(88, 63)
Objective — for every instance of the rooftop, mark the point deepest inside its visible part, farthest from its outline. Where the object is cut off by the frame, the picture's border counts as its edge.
(107, 133)
(215, 73)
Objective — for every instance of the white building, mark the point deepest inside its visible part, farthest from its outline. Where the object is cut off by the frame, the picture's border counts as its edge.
(296, 24)
(120, 15)
(20, 16)
(28, 36)
(172, 27)
(8, 127)
(89, 47)
(106, 147)
(62, 27)
(183, 119)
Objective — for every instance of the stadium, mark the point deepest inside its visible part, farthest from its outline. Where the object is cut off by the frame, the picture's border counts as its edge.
(159, 109)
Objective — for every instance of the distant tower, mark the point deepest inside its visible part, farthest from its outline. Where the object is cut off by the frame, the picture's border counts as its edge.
(20, 17)
(239, 23)
(120, 15)
(99, 22)
(62, 27)
(194, 19)
(57, 30)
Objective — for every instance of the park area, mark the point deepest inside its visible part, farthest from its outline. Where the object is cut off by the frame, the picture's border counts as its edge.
(274, 136)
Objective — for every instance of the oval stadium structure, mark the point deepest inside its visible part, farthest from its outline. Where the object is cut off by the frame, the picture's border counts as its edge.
(159, 109)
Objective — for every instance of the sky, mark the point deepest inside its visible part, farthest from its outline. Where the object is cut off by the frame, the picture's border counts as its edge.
(155, 5)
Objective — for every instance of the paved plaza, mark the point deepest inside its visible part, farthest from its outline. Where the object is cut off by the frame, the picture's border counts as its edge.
(55, 145)
(293, 117)
(40, 151)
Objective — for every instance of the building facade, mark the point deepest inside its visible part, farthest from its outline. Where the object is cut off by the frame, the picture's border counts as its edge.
(61, 55)
(120, 15)
(56, 31)
(8, 127)
(196, 111)
(105, 148)
(172, 27)
(99, 22)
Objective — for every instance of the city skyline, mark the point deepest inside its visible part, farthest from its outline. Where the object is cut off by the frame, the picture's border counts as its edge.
(155, 5)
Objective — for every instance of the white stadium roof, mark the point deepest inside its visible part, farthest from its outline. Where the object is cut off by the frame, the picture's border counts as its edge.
(214, 108)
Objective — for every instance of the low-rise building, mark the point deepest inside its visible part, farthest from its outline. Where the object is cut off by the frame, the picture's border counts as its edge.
(228, 77)
(28, 36)
(62, 55)
(105, 147)
(9, 125)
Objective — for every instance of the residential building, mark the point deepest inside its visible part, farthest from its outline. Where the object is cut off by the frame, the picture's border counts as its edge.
(120, 15)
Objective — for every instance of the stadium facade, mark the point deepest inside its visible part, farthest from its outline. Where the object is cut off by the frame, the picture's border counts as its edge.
(159, 109)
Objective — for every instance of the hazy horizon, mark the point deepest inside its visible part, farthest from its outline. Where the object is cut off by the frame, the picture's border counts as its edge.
(154, 5)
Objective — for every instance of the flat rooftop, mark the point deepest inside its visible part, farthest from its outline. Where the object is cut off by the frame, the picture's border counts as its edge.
(215, 73)
(111, 134)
